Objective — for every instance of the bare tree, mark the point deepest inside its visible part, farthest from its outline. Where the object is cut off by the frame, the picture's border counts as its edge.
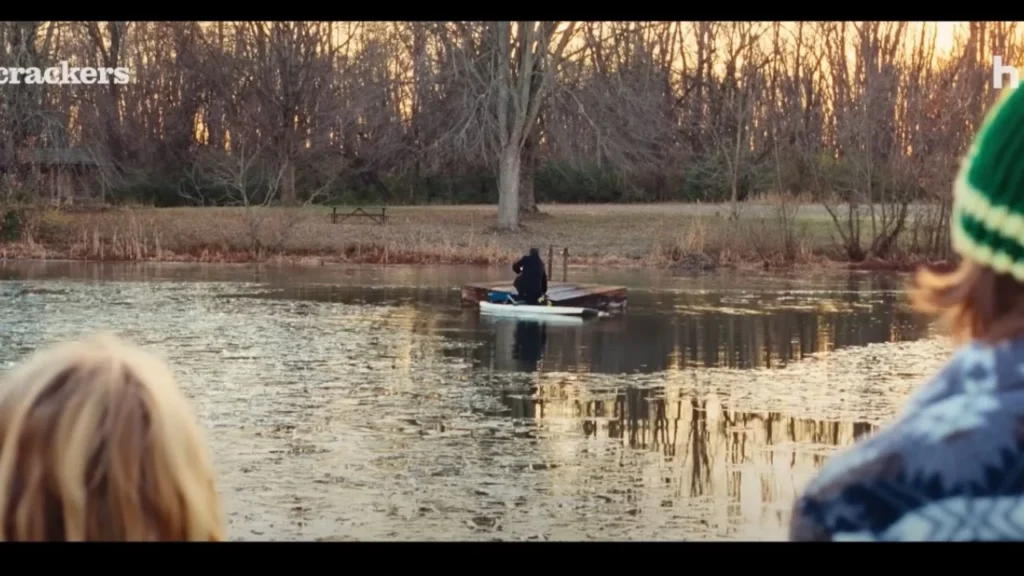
(868, 118)
(245, 180)
(524, 68)
(735, 107)
(284, 68)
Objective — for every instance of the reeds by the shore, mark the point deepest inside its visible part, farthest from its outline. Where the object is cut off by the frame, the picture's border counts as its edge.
(611, 235)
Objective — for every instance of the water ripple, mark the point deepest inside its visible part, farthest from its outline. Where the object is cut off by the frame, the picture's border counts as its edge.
(335, 419)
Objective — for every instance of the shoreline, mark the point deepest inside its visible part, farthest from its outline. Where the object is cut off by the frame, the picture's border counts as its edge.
(14, 253)
(671, 237)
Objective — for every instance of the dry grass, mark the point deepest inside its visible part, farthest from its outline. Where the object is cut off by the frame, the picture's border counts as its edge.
(632, 235)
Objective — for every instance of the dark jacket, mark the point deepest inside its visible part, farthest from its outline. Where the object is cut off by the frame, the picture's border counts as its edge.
(949, 468)
(533, 278)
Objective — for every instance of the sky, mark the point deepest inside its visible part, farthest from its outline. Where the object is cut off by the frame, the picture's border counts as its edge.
(944, 35)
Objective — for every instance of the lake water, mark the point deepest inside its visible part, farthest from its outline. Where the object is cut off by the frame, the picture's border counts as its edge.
(368, 403)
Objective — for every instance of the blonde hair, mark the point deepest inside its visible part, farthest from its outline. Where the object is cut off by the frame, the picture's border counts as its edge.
(973, 301)
(98, 443)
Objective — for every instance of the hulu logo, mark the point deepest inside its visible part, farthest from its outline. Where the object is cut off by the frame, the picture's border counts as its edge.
(999, 70)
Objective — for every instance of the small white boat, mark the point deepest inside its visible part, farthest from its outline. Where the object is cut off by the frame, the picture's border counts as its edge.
(528, 310)
(555, 320)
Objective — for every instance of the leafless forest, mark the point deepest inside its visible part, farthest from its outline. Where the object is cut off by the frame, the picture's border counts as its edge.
(867, 119)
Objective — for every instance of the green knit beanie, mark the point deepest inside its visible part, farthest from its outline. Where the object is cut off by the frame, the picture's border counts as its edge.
(987, 219)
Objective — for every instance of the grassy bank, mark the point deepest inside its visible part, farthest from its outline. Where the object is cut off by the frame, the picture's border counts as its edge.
(685, 235)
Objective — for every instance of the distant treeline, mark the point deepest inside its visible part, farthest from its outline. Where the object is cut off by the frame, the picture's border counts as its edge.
(405, 113)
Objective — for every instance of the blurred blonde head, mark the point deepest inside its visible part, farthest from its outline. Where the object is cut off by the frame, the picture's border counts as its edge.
(98, 443)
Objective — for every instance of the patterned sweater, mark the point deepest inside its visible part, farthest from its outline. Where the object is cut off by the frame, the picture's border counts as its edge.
(951, 468)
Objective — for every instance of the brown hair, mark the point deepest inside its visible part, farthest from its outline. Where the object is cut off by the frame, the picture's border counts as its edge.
(974, 301)
(98, 443)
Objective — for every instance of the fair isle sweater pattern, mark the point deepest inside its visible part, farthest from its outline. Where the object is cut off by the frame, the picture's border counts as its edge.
(950, 468)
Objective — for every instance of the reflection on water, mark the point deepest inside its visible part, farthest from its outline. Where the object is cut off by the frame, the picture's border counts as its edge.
(662, 334)
(351, 404)
(528, 343)
(729, 327)
(699, 443)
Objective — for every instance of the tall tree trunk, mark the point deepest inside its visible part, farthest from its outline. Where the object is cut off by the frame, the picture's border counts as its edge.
(527, 175)
(288, 195)
(509, 166)
(215, 110)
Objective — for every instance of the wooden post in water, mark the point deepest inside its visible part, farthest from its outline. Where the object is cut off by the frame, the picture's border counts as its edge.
(565, 264)
(551, 258)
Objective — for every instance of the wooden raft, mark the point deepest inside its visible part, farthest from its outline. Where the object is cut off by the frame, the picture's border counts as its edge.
(595, 296)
